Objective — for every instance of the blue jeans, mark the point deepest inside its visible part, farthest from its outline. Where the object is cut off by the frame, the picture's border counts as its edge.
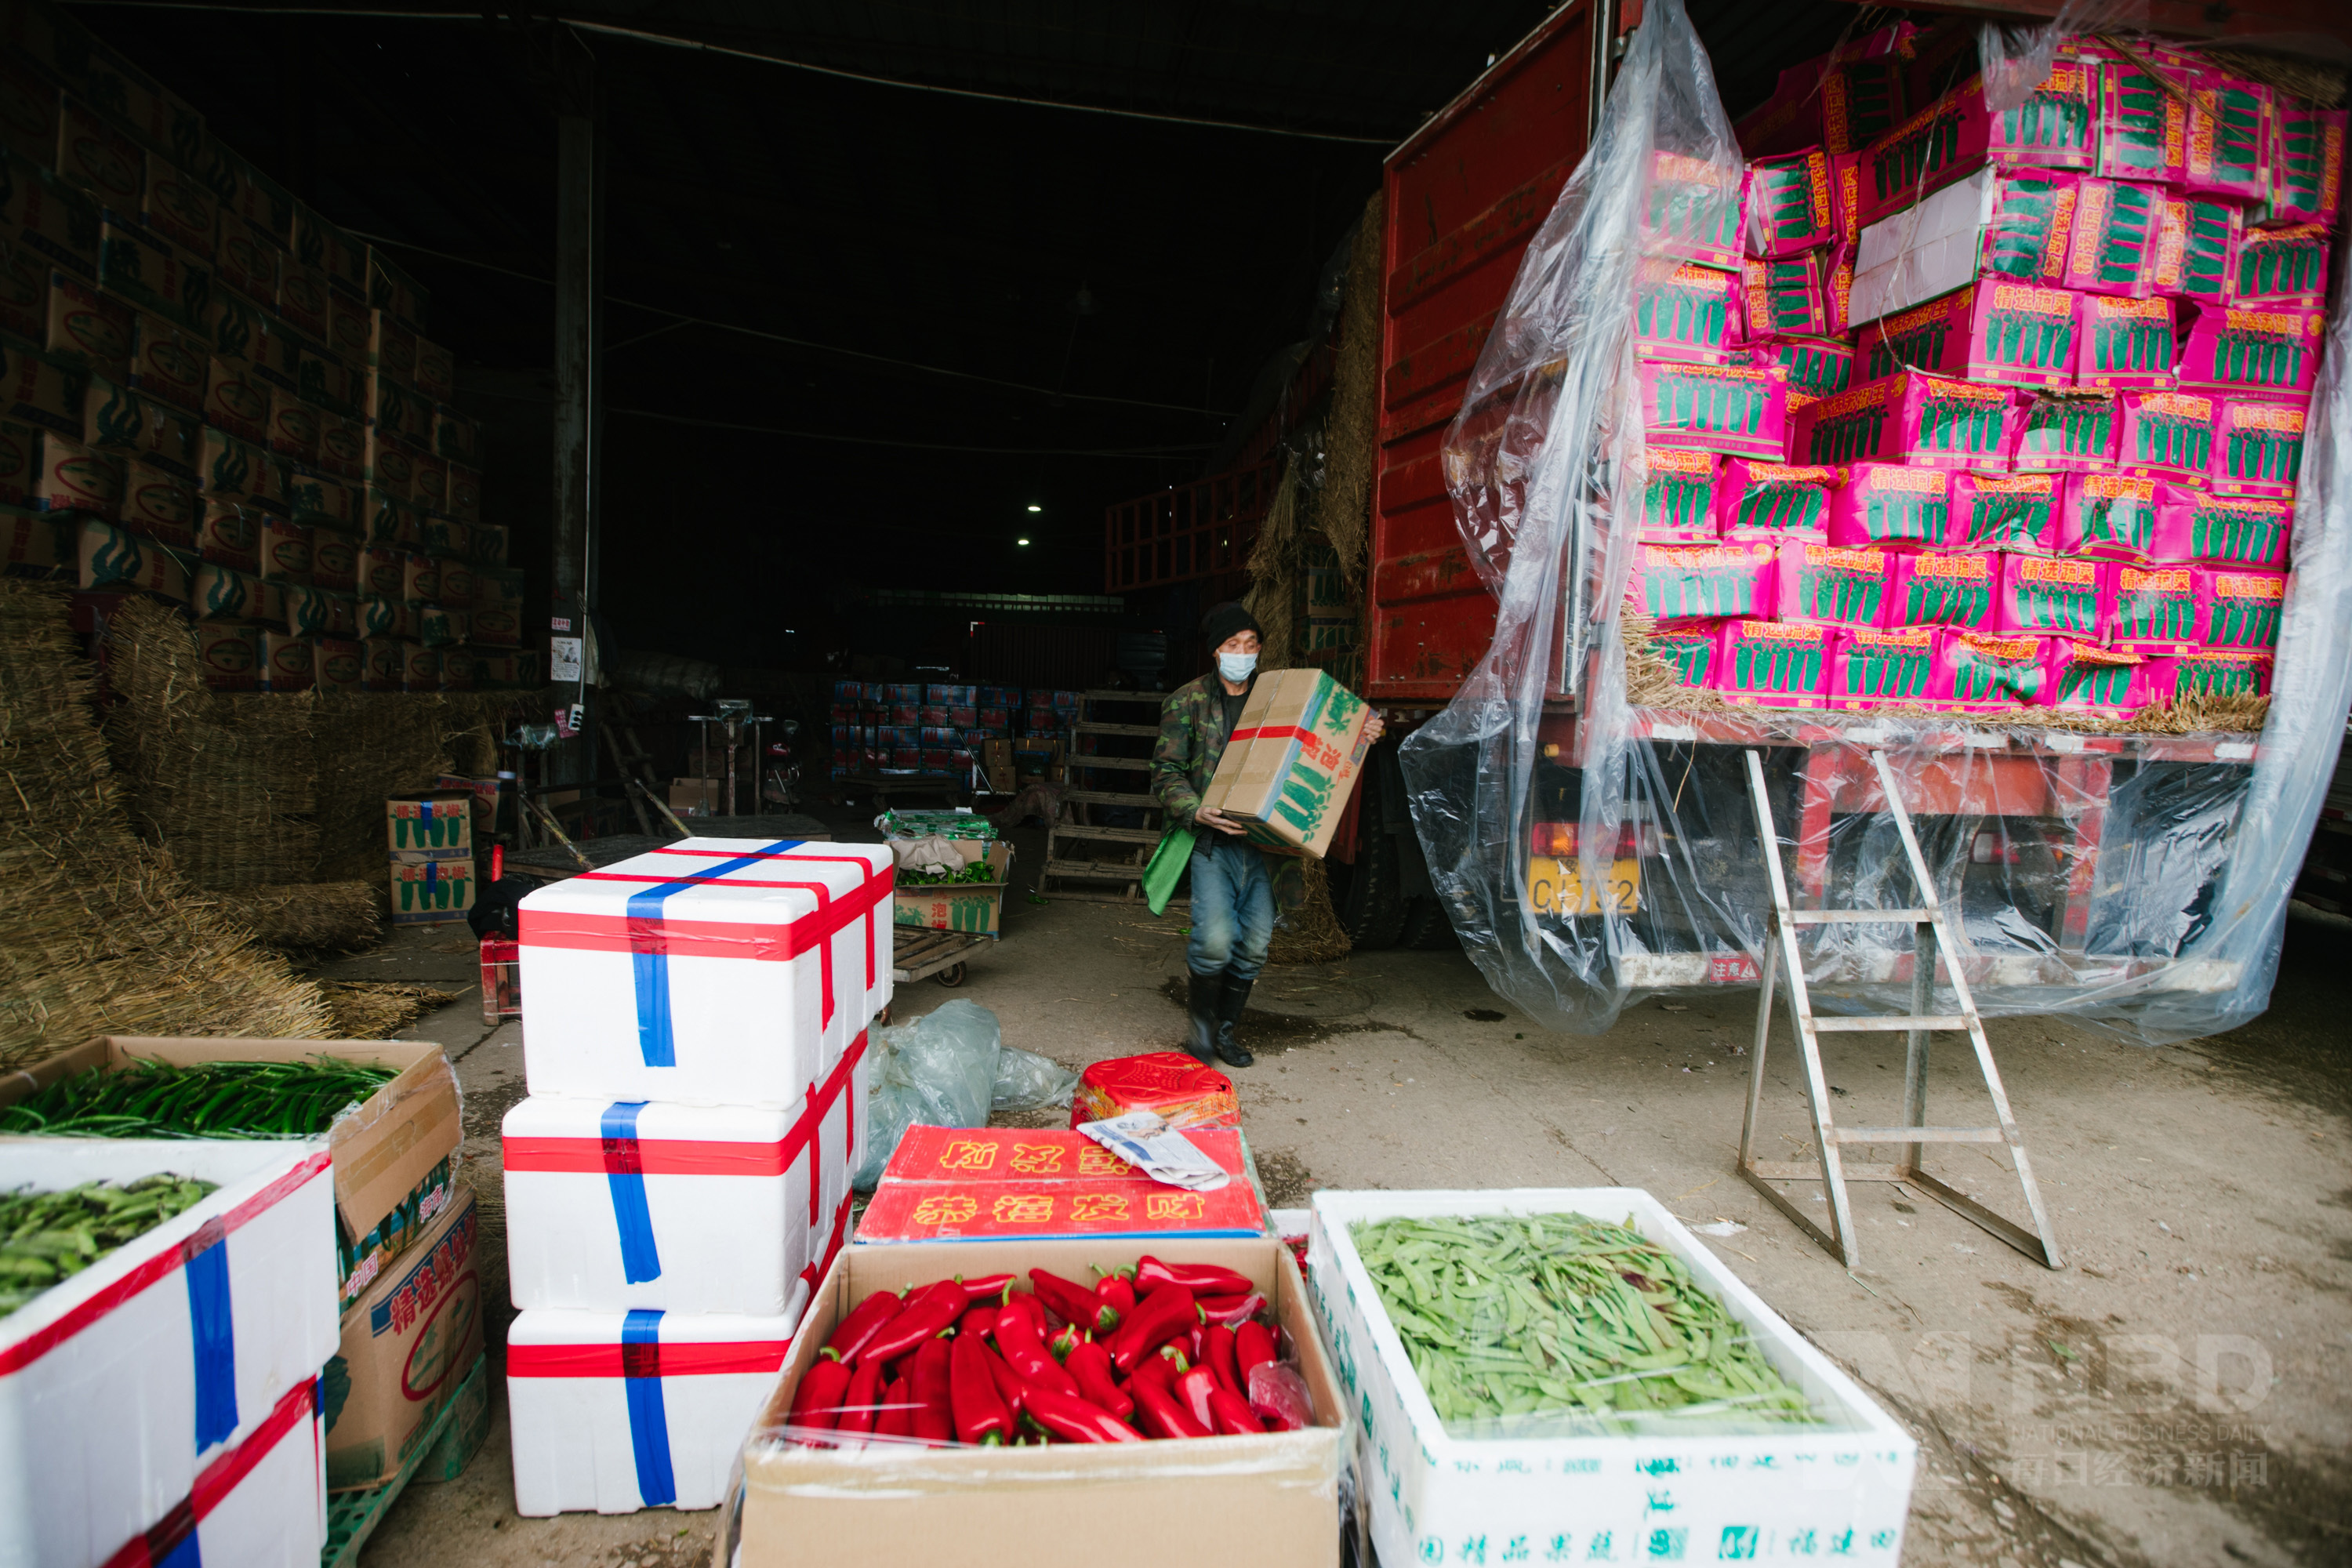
(1232, 907)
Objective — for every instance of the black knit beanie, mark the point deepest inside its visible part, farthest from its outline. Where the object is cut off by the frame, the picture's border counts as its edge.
(1226, 620)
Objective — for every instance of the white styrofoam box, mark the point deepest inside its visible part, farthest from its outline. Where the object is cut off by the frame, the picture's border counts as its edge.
(614, 1412)
(683, 1208)
(840, 1106)
(1838, 1490)
(711, 971)
(263, 1504)
(120, 1384)
(1926, 249)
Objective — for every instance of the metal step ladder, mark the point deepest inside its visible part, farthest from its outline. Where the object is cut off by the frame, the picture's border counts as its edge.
(1103, 881)
(1931, 935)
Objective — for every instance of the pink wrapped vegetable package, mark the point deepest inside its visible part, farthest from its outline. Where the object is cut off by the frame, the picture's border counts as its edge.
(2283, 266)
(2067, 430)
(1816, 366)
(1741, 411)
(2143, 130)
(1887, 503)
(1691, 210)
(2254, 349)
(1690, 650)
(1830, 586)
(1942, 588)
(1975, 673)
(1780, 664)
(2114, 245)
(1872, 664)
(2006, 512)
(1686, 313)
(2258, 448)
(2155, 609)
(2196, 249)
(2171, 432)
(2229, 138)
(2242, 608)
(1791, 208)
(2224, 530)
(1772, 502)
(1702, 582)
(1910, 417)
(2014, 334)
(2308, 163)
(2112, 517)
(1679, 504)
(2041, 593)
(2083, 677)
(1785, 296)
(2125, 343)
(2052, 128)
(2207, 672)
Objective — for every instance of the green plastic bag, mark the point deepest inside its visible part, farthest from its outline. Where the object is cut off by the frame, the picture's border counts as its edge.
(1169, 859)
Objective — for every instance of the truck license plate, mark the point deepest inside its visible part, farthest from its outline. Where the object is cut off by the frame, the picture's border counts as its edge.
(1556, 886)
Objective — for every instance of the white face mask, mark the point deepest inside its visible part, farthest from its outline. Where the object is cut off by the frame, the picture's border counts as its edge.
(1237, 666)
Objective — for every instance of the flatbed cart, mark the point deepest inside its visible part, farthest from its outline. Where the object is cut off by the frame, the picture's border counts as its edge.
(918, 953)
(2088, 861)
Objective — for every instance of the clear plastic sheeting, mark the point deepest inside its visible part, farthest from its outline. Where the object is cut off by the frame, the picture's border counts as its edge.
(2014, 58)
(1592, 851)
(949, 1068)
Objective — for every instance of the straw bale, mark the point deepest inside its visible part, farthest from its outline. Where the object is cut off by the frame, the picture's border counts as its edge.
(99, 932)
(1274, 578)
(1312, 933)
(1343, 511)
(373, 1009)
(314, 917)
(224, 781)
(2320, 83)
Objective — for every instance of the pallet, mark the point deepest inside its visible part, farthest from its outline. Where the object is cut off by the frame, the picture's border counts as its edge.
(1074, 822)
(919, 953)
(450, 1441)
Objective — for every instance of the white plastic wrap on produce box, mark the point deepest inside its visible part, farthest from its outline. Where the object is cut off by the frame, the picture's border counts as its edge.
(1837, 1490)
(713, 970)
(614, 1412)
(120, 1384)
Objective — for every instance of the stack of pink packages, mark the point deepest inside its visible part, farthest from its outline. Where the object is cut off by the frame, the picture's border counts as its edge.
(1974, 411)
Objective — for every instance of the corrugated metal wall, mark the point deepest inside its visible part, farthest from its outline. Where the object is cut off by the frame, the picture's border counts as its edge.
(1070, 658)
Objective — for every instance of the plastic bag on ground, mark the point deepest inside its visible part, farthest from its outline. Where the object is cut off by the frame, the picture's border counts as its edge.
(1027, 1081)
(939, 1070)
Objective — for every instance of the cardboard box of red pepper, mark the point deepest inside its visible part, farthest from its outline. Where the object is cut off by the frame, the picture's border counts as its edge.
(934, 1398)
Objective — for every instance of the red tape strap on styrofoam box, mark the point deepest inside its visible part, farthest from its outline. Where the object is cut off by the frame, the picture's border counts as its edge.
(614, 1412)
(713, 970)
(262, 1503)
(121, 1384)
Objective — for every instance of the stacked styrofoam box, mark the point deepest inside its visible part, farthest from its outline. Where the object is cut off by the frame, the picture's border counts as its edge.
(1838, 1490)
(678, 1179)
(167, 1396)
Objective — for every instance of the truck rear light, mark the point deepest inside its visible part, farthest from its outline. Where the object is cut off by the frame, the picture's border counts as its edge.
(1558, 839)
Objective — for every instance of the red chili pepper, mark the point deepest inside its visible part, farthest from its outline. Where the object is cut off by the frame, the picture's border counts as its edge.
(1009, 1386)
(1090, 1366)
(865, 1320)
(1068, 1415)
(1159, 1318)
(1163, 1416)
(1194, 1346)
(934, 1403)
(897, 1417)
(1231, 1310)
(992, 1289)
(1192, 1390)
(977, 1322)
(929, 1313)
(816, 1403)
(1064, 1340)
(981, 1416)
(1074, 1303)
(1161, 1367)
(1118, 1291)
(857, 1403)
(1018, 1340)
(1201, 1278)
(1233, 1413)
(1218, 1341)
(1253, 1344)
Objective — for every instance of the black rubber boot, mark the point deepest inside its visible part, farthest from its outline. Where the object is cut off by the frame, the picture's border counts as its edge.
(1229, 1013)
(1200, 1005)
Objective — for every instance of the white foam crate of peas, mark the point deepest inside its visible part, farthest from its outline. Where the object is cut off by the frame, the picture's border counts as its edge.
(1837, 1492)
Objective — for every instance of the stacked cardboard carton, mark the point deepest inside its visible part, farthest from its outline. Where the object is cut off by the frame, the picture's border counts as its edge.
(217, 396)
(1999, 409)
(430, 846)
(933, 730)
(678, 1179)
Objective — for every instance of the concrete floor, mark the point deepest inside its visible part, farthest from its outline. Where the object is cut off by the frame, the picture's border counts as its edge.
(2177, 1394)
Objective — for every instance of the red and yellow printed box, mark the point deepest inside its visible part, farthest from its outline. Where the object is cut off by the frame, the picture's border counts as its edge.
(992, 1183)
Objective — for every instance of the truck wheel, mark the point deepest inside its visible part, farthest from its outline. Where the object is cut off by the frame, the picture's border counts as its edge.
(1368, 900)
(1426, 928)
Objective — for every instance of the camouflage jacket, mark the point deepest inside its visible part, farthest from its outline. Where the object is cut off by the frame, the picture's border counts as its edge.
(1184, 758)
